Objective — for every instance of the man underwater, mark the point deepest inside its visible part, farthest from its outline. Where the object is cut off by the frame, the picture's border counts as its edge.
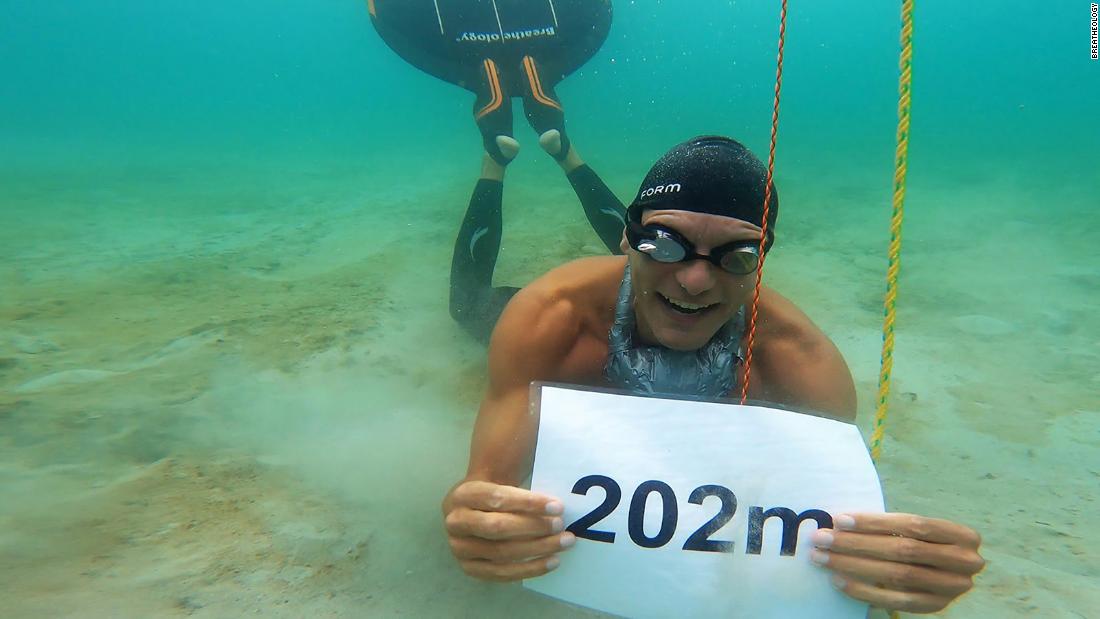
(668, 318)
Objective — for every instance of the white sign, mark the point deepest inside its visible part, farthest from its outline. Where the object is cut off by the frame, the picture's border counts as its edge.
(692, 509)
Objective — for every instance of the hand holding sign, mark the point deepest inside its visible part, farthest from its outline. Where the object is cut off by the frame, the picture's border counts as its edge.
(504, 533)
(900, 561)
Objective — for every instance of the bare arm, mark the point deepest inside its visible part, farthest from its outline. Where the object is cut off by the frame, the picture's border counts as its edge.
(496, 530)
(531, 341)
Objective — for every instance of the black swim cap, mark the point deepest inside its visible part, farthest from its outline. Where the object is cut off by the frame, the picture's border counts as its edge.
(710, 174)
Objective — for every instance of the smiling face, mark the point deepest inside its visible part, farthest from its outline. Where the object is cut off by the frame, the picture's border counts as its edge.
(681, 305)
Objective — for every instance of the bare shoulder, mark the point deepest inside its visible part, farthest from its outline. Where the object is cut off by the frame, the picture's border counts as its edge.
(543, 334)
(784, 322)
(533, 334)
(546, 320)
(798, 364)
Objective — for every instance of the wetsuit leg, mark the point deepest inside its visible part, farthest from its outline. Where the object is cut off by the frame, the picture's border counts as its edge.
(604, 211)
(543, 110)
(475, 304)
(492, 108)
(540, 102)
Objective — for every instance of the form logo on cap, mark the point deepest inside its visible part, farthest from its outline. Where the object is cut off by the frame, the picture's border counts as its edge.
(660, 189)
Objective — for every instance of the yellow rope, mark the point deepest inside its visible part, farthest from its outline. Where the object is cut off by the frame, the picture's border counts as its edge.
(900, 159)
(900, 163)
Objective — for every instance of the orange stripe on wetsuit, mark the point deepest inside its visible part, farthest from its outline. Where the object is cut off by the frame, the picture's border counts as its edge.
(494, 87)
(536, 84)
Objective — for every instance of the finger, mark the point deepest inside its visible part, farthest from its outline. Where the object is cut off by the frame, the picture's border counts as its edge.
(908, 601)
(897, 576)
(900, 549)
(487, 496)
(506, 572)
(925, 529)
(465, 548)
(499, 525)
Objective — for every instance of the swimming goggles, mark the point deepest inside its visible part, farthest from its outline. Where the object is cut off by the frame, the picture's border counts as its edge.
(666, 245)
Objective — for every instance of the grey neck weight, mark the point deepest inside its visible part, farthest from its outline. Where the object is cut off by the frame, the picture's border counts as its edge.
(654, 370)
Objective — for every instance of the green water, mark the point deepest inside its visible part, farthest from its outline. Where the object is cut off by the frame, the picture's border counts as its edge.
(229, 383)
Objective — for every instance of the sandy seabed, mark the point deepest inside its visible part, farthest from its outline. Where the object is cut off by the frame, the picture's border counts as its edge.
(217, 401)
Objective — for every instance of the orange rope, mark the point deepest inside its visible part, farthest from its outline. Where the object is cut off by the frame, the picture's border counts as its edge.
(899, 196)
(767, 205)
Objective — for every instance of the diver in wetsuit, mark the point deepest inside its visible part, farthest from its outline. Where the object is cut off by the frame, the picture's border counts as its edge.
(501, 49)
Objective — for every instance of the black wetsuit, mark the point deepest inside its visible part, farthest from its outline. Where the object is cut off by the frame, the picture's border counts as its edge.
(475, 303)
(498, 49)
